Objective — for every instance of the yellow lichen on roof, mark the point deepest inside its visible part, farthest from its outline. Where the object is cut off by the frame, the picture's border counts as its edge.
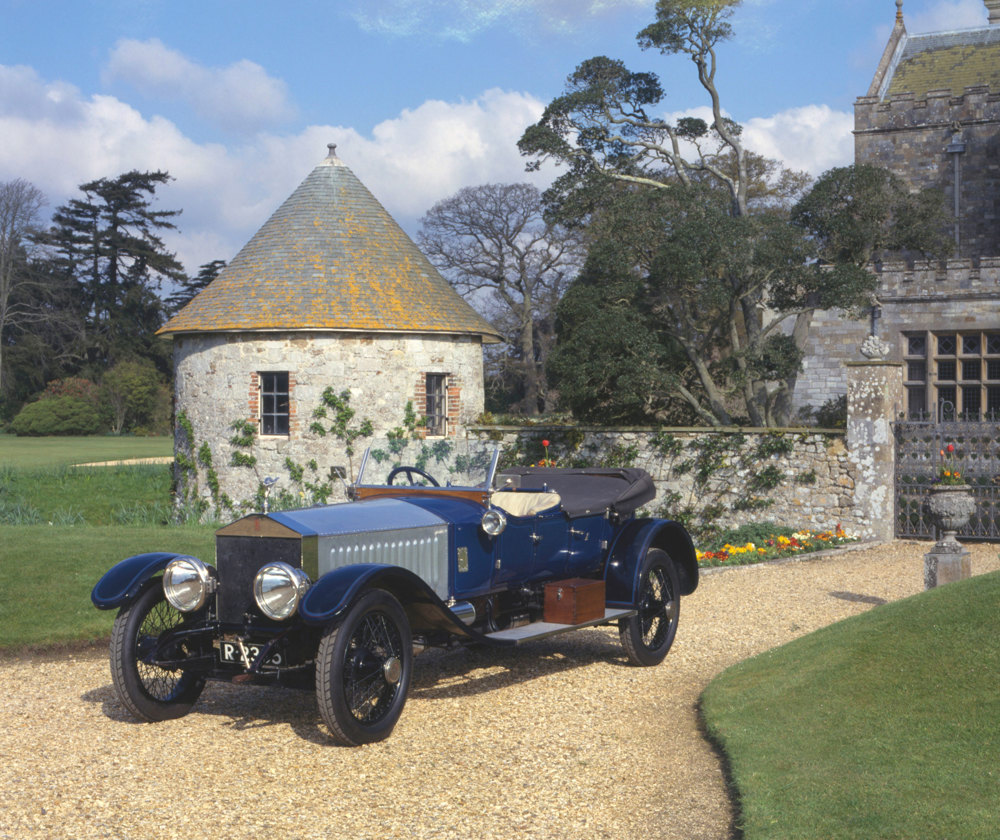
(330, 258)
(954, 69)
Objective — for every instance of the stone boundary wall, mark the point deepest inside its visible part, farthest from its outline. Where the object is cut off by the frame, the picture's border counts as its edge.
(729, 470)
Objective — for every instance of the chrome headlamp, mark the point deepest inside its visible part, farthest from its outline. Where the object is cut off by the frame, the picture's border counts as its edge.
(494, 522)
(187, 583)
(278, 588)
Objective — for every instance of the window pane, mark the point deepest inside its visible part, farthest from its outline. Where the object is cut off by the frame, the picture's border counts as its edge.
(946, 370)
(274, 403)
(436, 408)
(972, 400)
(993, 401)
(916, 401)
(993, 369)
(916, 345)
(946, 402)
(972, 369)
(970, 344)
(916, 371)
(946, 345)
(993, 344)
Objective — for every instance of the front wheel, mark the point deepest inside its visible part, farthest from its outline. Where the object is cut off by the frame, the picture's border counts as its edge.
(363, 670)
(149, 691)
(647, 636)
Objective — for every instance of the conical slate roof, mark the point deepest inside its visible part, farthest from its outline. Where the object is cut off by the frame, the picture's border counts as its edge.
(330, 258)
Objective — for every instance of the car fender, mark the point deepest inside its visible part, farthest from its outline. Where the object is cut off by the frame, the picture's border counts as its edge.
(122, 582)
(629, 549)
(329, 598)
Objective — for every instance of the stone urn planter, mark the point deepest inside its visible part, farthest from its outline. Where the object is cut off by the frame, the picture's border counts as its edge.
(950, 506)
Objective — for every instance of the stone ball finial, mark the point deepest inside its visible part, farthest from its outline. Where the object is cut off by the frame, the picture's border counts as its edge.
(899, 11)
(331, 149)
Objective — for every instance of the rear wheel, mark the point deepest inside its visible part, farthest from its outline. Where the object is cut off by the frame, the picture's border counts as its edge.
(647, 636)
(149, 691)
(363, 670)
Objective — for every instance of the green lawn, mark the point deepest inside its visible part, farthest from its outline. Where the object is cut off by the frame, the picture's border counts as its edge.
(136, 494)
(32, 452)
(47, 572)
(881, 726)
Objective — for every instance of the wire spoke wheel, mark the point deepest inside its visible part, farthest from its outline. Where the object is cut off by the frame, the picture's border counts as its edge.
(374, 645)
(158, 682)
(363, 670)
(148, 690)
(648, 635)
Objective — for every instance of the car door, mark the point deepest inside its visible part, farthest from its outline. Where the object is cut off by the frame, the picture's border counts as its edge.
(531, 548)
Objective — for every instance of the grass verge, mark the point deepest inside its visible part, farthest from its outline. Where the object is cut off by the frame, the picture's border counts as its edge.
(880, 726)
(46, 574)
(136, 494)
(34, 452)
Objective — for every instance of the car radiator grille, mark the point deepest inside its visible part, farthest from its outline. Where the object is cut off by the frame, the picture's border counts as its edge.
(238, 560)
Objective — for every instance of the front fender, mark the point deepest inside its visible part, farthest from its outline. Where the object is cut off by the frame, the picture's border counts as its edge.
(122, 582)
(332, 595)
(629, 550)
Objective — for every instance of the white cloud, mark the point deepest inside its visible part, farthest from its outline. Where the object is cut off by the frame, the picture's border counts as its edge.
(241, 97)
(461, 19)
(58, 139)
(946, 16)
(812, 138)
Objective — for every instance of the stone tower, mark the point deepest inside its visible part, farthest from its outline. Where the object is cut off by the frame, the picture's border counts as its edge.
(932, 116)
(330, 292)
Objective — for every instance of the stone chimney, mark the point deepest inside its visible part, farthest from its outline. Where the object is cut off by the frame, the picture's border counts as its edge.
(993, 7)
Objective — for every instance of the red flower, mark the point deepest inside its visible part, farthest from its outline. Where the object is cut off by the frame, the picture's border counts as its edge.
(545, 443)
(951, 447)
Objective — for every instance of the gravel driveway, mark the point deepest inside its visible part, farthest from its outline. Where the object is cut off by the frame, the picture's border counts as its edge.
(558, 740)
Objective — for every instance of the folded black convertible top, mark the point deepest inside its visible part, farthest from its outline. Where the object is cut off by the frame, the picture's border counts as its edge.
(589, 490)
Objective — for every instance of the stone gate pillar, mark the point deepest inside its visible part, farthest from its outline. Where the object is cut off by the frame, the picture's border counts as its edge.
(874, 400)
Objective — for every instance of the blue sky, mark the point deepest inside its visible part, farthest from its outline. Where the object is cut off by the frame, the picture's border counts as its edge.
(237, 99)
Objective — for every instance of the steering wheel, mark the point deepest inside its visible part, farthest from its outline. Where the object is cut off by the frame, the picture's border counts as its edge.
(410, 472)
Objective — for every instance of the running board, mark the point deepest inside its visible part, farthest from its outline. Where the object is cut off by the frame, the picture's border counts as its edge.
(541, 629)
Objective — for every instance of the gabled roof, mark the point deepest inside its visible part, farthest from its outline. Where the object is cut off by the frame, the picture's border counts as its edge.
(938, 61)
(949, 61)
(331, 258)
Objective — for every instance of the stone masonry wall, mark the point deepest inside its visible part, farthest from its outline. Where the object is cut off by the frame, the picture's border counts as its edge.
(909, 136)
(955, 295)
(216, 384)
(815, 472)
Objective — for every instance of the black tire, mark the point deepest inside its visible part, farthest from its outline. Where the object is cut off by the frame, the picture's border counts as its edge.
(149, 692)
(363, 669)
(647, 637)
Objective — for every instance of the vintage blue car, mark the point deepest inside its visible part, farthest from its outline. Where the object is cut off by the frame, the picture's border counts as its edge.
(342, 596)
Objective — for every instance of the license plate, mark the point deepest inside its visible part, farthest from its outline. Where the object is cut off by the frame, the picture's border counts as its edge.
(230, 652)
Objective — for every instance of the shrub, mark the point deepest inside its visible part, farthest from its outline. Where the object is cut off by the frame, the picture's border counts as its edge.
(57, 416)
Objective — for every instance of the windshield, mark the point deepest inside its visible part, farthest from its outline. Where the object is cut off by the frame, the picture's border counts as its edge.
(460, 463)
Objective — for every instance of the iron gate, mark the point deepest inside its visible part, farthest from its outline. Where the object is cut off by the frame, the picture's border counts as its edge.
(918, 462)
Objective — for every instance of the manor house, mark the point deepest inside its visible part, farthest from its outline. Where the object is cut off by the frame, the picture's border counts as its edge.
(932, 116)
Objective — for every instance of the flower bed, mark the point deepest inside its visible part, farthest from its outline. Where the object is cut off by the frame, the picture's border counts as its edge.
(800, 542)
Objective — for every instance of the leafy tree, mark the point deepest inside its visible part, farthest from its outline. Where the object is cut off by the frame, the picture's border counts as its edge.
(495, 247)
(726, 274)
(20, 285)
(130, 390)
(108, 246)
(191, 286)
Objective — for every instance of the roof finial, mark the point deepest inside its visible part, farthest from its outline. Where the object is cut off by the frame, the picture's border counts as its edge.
(899, 11)
(331, 149)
